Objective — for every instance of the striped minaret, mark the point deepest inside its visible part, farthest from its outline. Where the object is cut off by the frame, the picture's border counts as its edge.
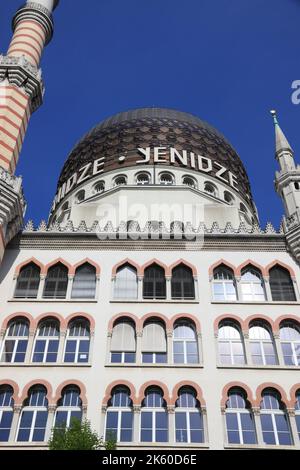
(21, 93)
(21, 85)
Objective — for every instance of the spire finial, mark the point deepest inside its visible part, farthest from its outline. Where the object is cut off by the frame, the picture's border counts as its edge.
(274, 115)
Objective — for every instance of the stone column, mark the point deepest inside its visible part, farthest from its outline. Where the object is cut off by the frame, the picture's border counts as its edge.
(70, 286)
(247, 348)
(61, 346)
(168, 288)
(140, 287)
(200, 349)
(50, 421)
(223, 413)
(205, 424)
(268, 288)
(293, 426)
(170, 359)
(15, 423)
(259, 434)
(136, 423)
(108, 349)
(196, 284)
(97, 291)
(30, 346)
(239, 288)
(278, 348)
(138, 355)
(171, 422)
(41, 286)
(103, 420)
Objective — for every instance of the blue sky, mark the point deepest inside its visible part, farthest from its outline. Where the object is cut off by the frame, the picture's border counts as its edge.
(227, 61)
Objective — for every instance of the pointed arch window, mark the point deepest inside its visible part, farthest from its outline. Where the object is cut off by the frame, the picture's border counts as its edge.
(123, 342)
(274, 420)
(281, 284)
(78, 341)
(262, 344)
(231, 345)
(224, 285)
(69, 406)
(6, 411)
(154, 417)
(16, 341)
(126, 283)
(119, 416)
(252, 285)
(188, 417)
(182, 283)
(290, 343)
(28, 282)
(46, 342)
(154, 286)
(56, 282)
(84, 283)
(33, 419)
(239, 419)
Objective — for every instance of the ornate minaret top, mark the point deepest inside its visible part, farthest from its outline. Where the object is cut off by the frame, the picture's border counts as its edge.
(284, 152)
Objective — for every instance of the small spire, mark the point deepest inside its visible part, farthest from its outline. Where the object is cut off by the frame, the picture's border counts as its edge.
(282, 143)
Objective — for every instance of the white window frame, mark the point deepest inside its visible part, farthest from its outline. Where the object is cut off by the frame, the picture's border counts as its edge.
(77, 339)
(252, 284)
(261, 345)
(231, 342)
(188, 412)
(185, 341)
(120, 410)
(239, 412)
(153, 411)
(69, 410)
(293, 346)
(35, 410)
(274, 412)
(16, 340)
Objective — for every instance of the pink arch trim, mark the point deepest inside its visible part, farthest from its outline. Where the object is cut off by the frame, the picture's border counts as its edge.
(277, 387)
(241, 385)
(124, 315)
(259, 317)
(183, 262)
(154, 261)
(155, 315)
(188, 383)
(57, 261)
(81, 315)
(282, 265)
(293, 392)
(235, 318)
(154, 383)
(188, 316)
(14, 386)
(282, 318)
(252, 263)
(80, 263)
(57, 316)
(117, 383)
(28, 261)
(16, 315)
(37, 382)
(79, 384)
(219, 263)
(126, 261)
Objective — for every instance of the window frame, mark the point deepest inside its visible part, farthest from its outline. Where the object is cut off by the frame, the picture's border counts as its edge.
(16, 340)
(185, 342)
(78, 340)
(47, 340)
(28, 281)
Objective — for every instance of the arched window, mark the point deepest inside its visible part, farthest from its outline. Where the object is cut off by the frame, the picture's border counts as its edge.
(166, 179)
(119, 416)
(154, 286)
(56, 282)
(69, 406)
(262, 344)
(189, 181)
(185, 346)
(224, 286)
(297, 411)
(143, 179)
(252, 285)
(16, 340)
(126, 283)
(154, 343)
(123, 342)
(80, 196)
(6, 411)
(84, 283)
(99, 187)
(46, 341)
(64, 214)
(290, 343)
(281, 284)
(243, 208)
(274, 421)
(78, 341)
(229, 198)
(182, 283)
(211, 189)
(188, 417)
(230, 342)
(33, 419)
(120, 181)
(239, 419)
(28, 282)
(154, 417)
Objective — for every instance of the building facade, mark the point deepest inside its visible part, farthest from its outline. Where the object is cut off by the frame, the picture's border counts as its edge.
(151, 301)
